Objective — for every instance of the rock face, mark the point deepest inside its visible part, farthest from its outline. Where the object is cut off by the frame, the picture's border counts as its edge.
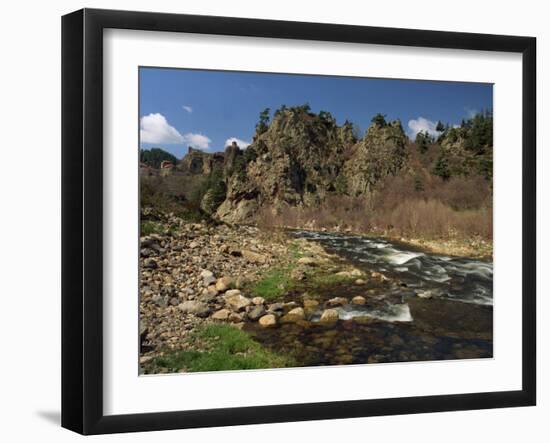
(199, 162)
(302, 158)
(299, 159)
(380, 153)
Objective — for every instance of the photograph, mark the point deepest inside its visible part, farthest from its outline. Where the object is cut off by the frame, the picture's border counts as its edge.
(291, 220)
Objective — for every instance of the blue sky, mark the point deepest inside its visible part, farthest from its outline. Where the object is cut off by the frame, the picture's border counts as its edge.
(205, 109)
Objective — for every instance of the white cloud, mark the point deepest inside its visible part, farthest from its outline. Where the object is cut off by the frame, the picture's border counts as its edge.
(241, 143)
(188, 108)
(154, 128)
(422, 124)
(197, 141)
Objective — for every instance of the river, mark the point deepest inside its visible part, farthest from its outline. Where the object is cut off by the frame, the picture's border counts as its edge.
(430, 307)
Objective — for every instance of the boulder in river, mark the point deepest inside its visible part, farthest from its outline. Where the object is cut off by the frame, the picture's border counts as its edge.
(358, 300)
(337, 301)
(294, 316)
(329, 316)
(310, 304)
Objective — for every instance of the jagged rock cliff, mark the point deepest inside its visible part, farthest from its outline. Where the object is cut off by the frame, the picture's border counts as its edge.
(301, 158)
(199, 162)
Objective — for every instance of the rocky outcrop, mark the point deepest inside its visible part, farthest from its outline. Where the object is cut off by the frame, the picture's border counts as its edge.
(302, 158)
(199, 162)
(379, 154)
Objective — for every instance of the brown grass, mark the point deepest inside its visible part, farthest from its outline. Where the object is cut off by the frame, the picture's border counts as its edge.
(406, 206)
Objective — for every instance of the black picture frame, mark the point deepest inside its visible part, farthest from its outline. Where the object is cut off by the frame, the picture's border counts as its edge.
(82, 218)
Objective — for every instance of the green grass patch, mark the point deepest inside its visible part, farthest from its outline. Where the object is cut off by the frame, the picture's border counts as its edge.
(274, 283)
(228, 348)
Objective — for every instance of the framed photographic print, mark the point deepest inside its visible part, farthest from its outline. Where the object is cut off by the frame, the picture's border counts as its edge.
(270, 221)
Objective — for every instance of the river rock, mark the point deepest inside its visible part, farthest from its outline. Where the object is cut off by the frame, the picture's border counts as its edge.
(358, 300)
(337, 301)
(267, 321)
(159, 300)
(256, 312)
(207, 281)
(293, 316)
(360, 282)
(329, 316)
(254, 257)
(206, 273)
(310, 304)
(207, 296)
(222, 314)
(424, 294)
(223, 283)
(379, 276)
(258, 301)
(235, 317)
(197, 308)
(235, 300)
(351, 273)
(277, 308)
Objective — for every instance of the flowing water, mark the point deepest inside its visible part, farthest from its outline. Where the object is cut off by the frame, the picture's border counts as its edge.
(430, 307)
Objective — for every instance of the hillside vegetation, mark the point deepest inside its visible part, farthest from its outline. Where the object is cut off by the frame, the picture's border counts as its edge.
(304, 170)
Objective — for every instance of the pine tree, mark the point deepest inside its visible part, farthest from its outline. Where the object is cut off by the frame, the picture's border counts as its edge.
(263, 124)
(441, 168)
(379, 120)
